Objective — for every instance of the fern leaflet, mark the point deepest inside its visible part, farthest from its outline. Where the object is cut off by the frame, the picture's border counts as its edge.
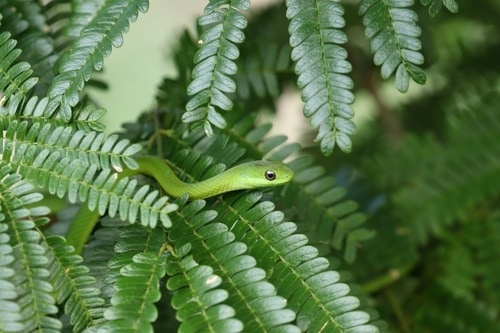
(73, 285)
(138, 278)
(394, 34)
(10, 311)
(321, 67)
(198, 302)
(324, 304)
(15, 78)
(35, 310)
(215, 63)
(38, 153)
(250, 294)
(436, 5)
(86, 118)
(88, 51)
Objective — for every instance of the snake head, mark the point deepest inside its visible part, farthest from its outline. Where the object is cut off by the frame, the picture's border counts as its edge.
(265, 173)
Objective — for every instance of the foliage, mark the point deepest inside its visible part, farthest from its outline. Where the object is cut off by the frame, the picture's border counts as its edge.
(401, 235)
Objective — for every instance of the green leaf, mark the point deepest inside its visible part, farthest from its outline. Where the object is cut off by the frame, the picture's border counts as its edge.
(436, 5)
(87, 52)
(136, 276)
(15, 78)
(321, 66)
(211, 84)
(394, 33)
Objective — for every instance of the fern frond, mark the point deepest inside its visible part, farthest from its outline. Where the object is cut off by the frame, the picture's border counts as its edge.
(86, 118)
(23, 140)
(323, 303)
(392, 28)
(264, 66)
(102, 190)
(393, 243)
(25, 21)
(197, 301)
(138, 279)
(82, 12)
(73, 285)
(443, 312)
(58, 14)
(457, 268)
(15, 77)
(321, 66)
(89, 50)
(259, 69)
(99, 255)
(215, 63)
(337, 220)
(251, 296)
(484, 238)
(78, 175)
(10, 311)
(436, 5)
(467, 173)
(32, 292)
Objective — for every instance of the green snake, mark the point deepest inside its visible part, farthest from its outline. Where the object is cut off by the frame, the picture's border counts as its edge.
(250, 175)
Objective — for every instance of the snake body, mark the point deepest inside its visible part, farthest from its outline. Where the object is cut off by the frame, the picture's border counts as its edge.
(256, 174)
(244, 176)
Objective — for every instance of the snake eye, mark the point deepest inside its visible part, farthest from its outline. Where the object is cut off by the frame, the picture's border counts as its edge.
(270, 175)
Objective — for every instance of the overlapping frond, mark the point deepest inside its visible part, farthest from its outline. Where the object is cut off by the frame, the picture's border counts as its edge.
(58, 15)
(435, 6)
(86, 118)
(259, 69)
(82, 166)
(215, 63)
(88, 51)
(10, 311)
(438, 181)
(199, 303)
(138, 266)
(23, 139)
(313, 291)
(82, 12)
(15, 76)
(254, 299)
(467, 173)
(31, 302)
(443, 312)
(394, 35)
(264, 67)
(321, 66)
(319, 201)
(195, 296)
(73, 285)
(100, 250)
(26, 22)
(484, 238)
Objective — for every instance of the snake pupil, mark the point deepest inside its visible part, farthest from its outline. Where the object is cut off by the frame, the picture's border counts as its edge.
(270, 175)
